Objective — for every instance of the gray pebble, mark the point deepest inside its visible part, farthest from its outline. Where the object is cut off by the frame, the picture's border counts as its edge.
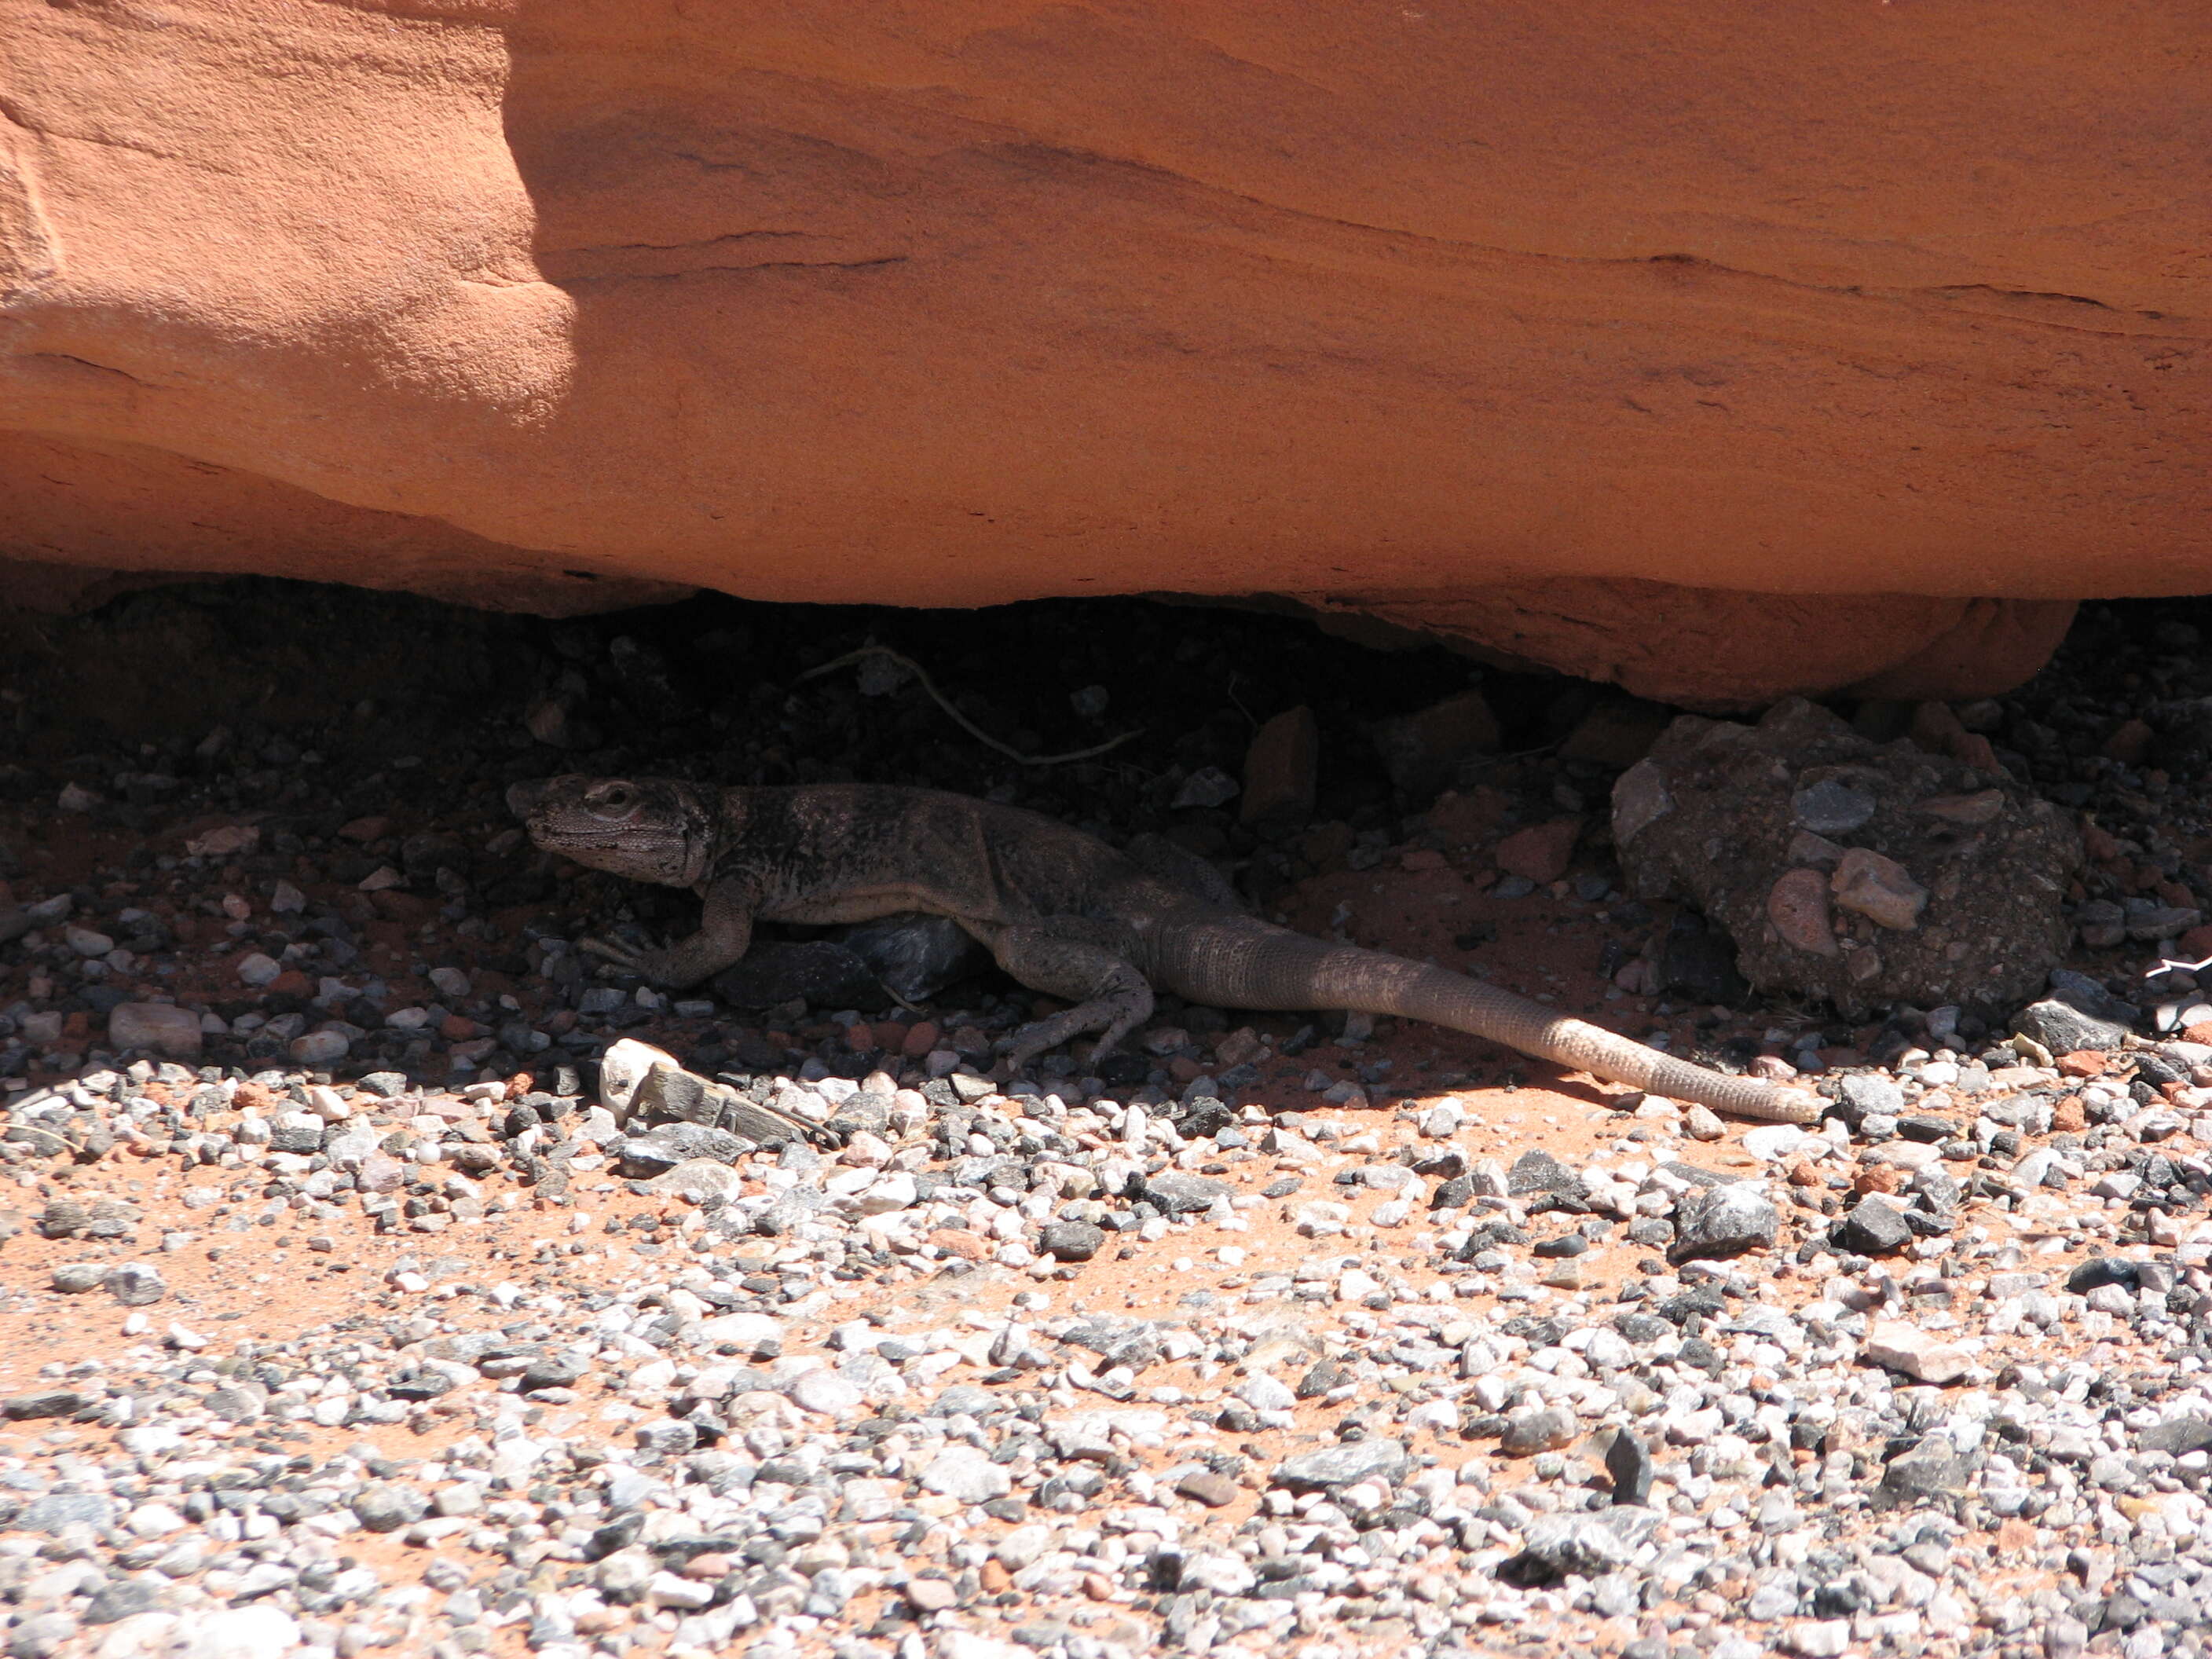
(387, 1508)
(135, 1284)
(1342, 1465)
(1832, 807)
(1070, 1241)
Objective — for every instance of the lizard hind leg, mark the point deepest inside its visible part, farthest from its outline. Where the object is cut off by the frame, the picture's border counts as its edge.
(1110, 996)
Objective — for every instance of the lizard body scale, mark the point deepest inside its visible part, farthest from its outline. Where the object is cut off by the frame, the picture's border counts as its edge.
(1061, 912)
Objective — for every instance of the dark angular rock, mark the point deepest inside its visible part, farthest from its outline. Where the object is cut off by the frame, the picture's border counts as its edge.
(1696, 1174)
(1723, 1221)
(1698, 960)
(2080, 991)
(1874, 1227)
(1930, 1469)
(1455, 1194)
(554, 1371)
(2102, 1270)
(914, 956)
(1936, 1188)
(1203, 1117)
(1703, 1303)
(2179, 1436)
(1072, 1241)
(1539, 1172)
(667, 1145)
(1628, 1461)
(122, 1598)
(46, 1402)
(669, 1436)
(1322, 1376)
(2063, 1029)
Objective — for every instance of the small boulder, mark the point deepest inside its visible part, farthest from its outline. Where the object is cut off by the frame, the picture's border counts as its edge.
(156, 1028)
(1948, 884)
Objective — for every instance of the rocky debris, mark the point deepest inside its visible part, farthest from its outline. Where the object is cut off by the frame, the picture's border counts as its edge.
(1859, 872)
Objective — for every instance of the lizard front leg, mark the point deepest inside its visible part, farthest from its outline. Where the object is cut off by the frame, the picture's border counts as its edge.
(726, 929)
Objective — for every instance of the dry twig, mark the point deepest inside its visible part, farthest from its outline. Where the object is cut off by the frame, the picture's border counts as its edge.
(966, 725)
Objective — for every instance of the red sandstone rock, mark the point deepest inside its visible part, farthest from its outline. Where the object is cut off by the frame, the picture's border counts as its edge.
(1878, 888)
(1540, 851)
(1661, 359)
(2129, 741)
(1798, 905)
(1282, 770)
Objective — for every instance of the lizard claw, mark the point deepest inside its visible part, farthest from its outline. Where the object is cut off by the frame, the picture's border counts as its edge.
(629, 959)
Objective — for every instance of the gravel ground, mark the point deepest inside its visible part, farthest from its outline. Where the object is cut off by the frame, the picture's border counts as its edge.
(414, 1304)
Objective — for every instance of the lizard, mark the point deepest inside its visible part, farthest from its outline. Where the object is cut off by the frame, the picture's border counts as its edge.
(1060, 911)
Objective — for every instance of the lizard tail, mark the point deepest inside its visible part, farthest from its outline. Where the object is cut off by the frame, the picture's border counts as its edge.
(1230, 962)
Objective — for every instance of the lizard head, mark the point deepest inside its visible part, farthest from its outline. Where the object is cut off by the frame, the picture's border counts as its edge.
(658, 830)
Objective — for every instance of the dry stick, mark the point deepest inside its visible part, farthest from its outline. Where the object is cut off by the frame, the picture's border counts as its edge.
(37, 1130)
(966, 725)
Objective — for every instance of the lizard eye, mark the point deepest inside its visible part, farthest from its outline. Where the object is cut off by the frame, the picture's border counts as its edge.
(614, 800)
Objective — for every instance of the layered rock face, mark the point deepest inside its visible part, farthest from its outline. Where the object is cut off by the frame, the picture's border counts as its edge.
(1720, 353)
